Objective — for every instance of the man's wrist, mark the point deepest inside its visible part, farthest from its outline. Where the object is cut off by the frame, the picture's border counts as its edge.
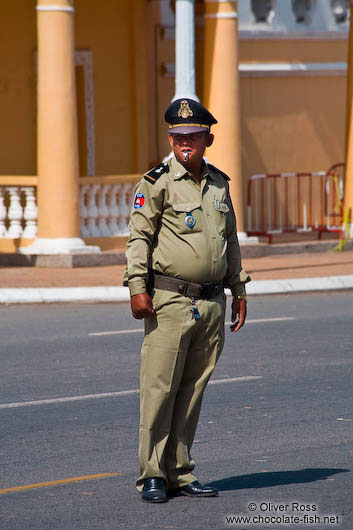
(240, 297)
(137, 286)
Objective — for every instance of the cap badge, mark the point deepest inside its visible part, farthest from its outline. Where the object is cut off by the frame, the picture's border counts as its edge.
(184, 110)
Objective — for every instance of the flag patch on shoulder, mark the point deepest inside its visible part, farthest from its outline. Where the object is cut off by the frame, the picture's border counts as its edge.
(139, 201)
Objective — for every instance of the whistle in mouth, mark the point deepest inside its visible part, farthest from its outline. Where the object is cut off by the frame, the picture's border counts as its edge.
(185, 155)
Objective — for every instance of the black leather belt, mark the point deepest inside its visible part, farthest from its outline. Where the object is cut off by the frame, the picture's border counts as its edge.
(190, 289)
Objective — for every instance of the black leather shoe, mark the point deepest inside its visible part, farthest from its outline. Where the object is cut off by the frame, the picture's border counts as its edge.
(154, 490)
(195, 489)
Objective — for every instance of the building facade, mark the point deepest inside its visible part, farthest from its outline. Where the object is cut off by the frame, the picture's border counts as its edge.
(84, 86)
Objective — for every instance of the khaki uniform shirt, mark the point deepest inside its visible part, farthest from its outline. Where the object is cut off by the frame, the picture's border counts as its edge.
(160, 239)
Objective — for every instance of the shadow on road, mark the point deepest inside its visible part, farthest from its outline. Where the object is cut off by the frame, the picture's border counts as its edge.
(275, 478)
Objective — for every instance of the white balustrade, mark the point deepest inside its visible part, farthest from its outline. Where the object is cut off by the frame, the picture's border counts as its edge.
(15, 213)
(3, 213)
(105, 209)
(92, 211)
(30, 214)
(113, 210)
(124, 209)
(84, 212)
(18, 212)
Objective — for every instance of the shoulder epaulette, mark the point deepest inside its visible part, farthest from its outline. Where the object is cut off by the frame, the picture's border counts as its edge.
(153, 175)
(218, 171)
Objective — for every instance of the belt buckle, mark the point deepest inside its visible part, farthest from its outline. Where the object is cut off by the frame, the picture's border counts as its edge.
(182, 288)
(207, 291)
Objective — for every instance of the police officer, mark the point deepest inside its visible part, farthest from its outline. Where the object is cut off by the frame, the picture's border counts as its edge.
(182, 251)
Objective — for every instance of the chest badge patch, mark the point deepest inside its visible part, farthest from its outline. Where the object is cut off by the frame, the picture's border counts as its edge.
(221, 206)
(139, 201)
(190, 220)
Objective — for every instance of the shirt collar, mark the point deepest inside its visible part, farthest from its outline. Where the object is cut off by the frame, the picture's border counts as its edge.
(180, 171)
(205, 172)
(177, 168)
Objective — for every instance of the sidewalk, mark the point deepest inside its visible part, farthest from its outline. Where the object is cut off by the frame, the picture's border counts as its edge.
(270, 274)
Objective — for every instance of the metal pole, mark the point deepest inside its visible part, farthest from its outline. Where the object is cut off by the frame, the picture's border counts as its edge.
(185, 50)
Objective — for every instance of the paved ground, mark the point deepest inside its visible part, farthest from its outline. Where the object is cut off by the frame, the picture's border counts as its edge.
(272, 267)
(275, 430)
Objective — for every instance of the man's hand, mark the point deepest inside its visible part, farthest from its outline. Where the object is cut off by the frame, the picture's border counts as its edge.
(238, 311)
(141, 306)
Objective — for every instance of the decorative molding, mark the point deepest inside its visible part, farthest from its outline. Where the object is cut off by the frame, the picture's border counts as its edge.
(84, 58)
(271, 34)
(278, 69)
(292, 69)
(221, 15)
(65, 9)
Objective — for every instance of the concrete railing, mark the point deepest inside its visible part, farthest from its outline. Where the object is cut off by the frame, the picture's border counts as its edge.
(18, 207)
(105, 204)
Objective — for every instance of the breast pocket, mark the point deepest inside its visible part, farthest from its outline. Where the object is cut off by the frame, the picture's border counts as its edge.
(221, 211)
(188, 217)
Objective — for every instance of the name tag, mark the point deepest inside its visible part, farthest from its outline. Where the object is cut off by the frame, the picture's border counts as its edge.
(221, 206)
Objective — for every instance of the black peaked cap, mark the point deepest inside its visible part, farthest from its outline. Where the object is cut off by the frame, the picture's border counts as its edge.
(186, 115)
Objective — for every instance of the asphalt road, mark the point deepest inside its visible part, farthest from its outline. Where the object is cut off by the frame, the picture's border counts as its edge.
(277, 434)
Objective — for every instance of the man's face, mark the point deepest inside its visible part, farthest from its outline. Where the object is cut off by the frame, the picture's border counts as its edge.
(193, 145)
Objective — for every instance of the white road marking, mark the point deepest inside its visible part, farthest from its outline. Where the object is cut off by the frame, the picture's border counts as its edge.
(66, 399)
(235, 379)
(100, 333)
(111, 394)
(262, 320)
(140, 330)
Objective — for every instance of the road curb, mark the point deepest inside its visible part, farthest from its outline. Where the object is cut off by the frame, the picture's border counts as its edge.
(121, 294)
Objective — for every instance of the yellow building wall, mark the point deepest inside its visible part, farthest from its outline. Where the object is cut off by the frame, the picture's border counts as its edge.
(292, 50)
(108, 30)
(289, 123)
(114, 31)
(161, 52)
(292, 123)
(17, 88)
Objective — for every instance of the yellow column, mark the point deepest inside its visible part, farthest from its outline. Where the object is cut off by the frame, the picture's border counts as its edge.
(348, 188)
(57, 143)
(221, 95)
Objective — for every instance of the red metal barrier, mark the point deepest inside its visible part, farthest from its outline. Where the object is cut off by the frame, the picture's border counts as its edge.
(295, 202)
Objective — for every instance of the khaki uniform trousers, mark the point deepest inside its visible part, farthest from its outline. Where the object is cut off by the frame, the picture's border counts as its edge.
(178, 356)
